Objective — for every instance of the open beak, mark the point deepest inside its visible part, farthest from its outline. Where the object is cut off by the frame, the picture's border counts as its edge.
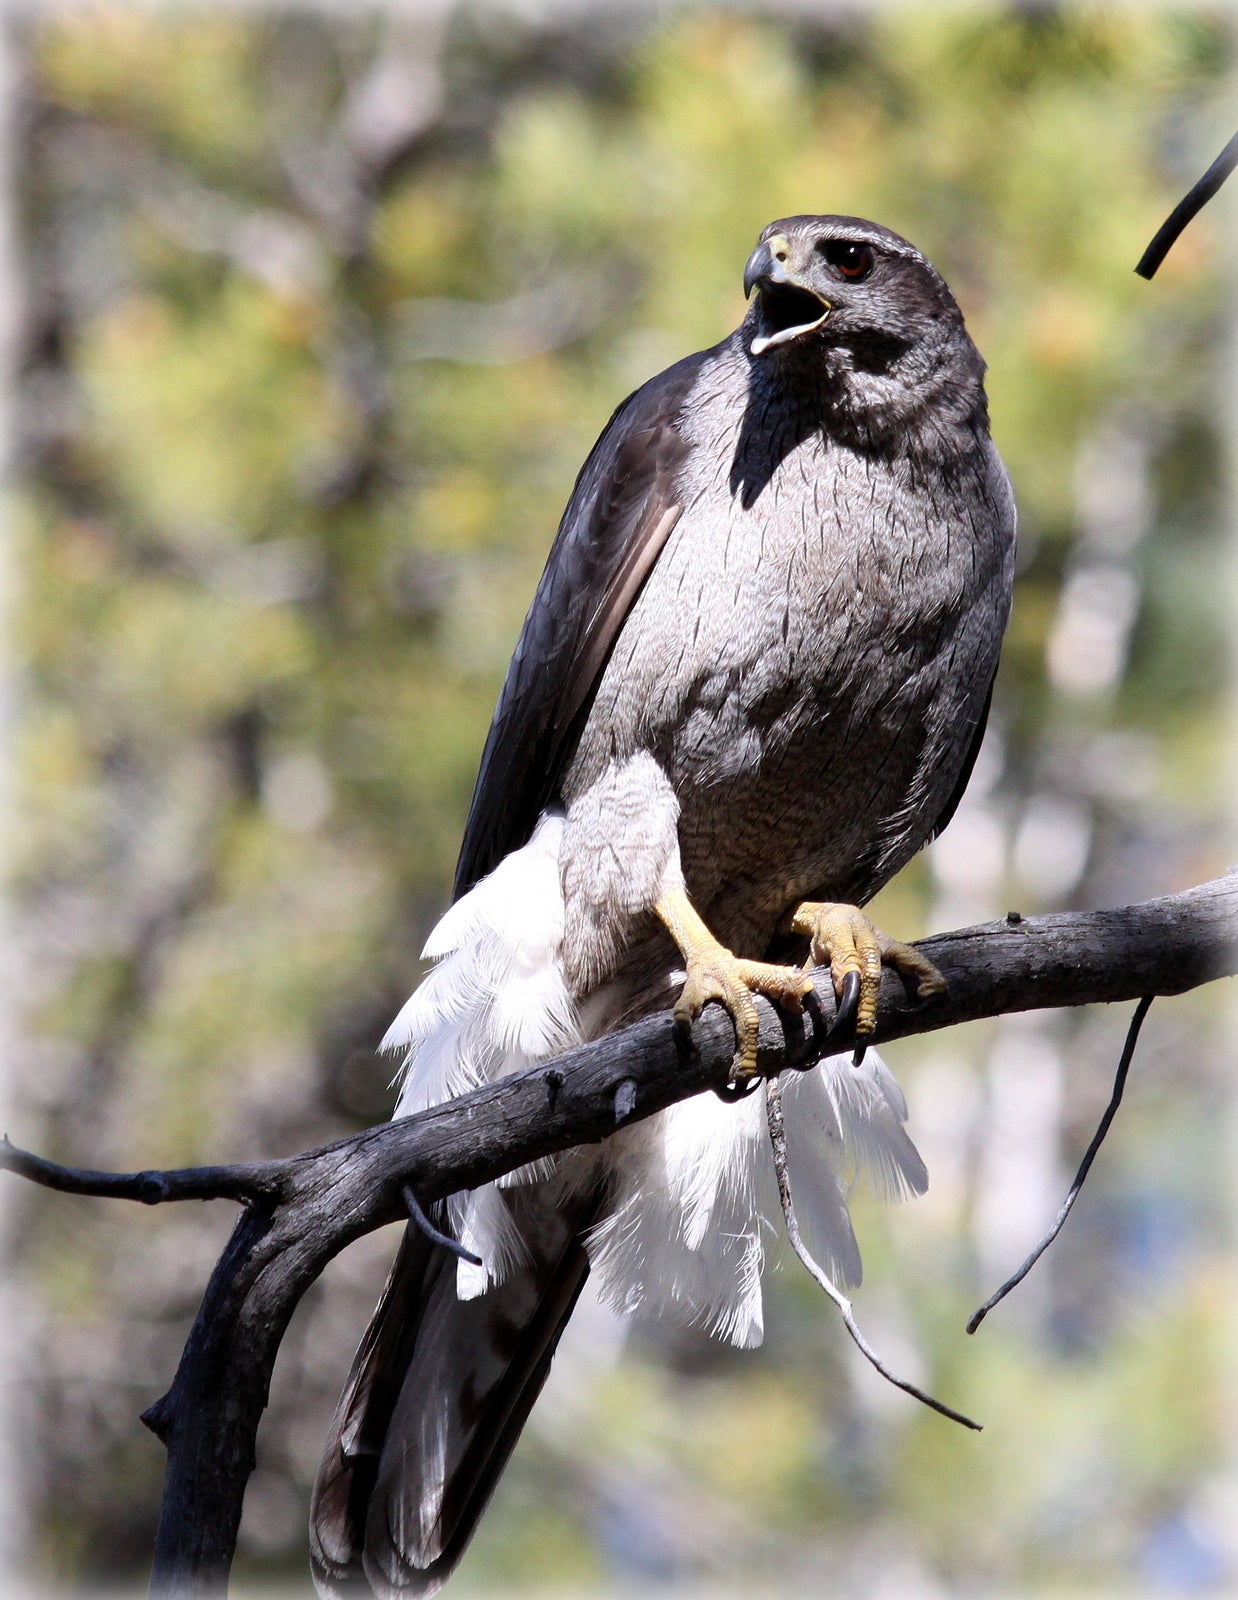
(789, 309)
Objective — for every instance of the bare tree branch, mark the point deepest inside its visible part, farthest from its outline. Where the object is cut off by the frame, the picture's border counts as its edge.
(259, 1181)
(302, 1211)
(1191, 204)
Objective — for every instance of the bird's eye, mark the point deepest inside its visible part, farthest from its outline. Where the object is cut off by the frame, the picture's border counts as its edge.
(850, 260)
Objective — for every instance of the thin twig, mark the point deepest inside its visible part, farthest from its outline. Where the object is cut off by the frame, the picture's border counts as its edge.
(261, 1180)
(1190, 205)
(433, 1234)
(1098, 1138)
(778, 1141)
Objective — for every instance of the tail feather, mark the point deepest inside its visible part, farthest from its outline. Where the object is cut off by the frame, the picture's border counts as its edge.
(456, 1355)
(484, 1224)
(871, 1111)
(359, 1428)
(439, 1393)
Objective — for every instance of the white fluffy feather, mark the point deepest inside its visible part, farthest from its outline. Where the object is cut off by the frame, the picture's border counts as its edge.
(694, 1198)
(494, 1002)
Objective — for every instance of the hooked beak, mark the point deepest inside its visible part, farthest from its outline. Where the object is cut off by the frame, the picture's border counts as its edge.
(763, 265)
(789, 308)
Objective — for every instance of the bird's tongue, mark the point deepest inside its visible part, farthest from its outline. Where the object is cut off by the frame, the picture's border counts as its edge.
(786, 313)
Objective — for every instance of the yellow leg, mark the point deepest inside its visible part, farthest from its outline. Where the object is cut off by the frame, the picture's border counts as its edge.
(716, 973)
(844, 938)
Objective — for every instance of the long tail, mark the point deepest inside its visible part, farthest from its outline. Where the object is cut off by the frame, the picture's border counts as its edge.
(439, 1392)
(456, 1355)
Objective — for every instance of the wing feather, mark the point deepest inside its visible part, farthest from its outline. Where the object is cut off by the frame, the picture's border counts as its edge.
(969, 763)
(625, 503)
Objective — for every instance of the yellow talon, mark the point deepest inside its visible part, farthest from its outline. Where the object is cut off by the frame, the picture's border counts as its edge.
(716, 973)
(843, 938)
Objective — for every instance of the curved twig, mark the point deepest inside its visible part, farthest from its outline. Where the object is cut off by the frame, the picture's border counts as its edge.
(778, 1142)
(1191, 204)
(259, 1180)
(1085, 1166)
(436, 1235)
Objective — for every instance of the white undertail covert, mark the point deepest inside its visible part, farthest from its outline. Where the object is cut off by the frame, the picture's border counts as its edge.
(693, 1204)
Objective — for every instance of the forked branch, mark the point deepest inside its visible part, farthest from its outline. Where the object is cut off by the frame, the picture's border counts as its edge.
(302, 1211)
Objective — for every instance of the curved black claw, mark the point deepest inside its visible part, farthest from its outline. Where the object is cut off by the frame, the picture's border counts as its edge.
(843, 1025)
(686, 1046)
(815, 1007)
(731, 1092)
(681, 1032)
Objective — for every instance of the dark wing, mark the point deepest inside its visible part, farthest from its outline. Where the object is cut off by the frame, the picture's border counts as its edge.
(617, 521)
(965, 772)
(999, 499)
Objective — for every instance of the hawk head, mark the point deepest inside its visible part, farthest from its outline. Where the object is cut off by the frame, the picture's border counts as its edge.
(859, 305)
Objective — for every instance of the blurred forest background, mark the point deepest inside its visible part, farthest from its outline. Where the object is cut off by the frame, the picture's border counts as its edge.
(322, 311)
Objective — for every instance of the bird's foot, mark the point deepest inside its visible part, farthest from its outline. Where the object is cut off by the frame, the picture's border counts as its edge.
(716, 973)
(843, 939)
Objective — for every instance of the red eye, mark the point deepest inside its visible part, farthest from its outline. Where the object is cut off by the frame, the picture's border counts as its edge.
(850, 260)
